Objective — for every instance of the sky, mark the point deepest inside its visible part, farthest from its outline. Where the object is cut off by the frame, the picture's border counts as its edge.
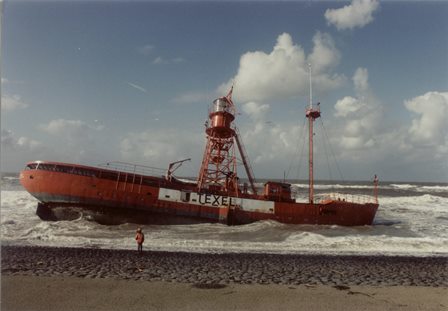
(91, 82)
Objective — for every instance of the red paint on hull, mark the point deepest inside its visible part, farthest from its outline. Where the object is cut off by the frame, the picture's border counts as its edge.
(56, 187)
(343, 214)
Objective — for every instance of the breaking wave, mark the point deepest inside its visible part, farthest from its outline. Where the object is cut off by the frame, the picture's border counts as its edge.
(409, 222)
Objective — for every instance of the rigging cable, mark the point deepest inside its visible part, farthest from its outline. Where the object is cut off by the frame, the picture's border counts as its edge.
(332, 151)
(324, 144)
(301, 152)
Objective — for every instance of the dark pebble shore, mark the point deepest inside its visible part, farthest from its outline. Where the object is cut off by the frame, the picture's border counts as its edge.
(215, 270)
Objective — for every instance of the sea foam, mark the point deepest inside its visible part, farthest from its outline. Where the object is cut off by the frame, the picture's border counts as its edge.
(411, 220)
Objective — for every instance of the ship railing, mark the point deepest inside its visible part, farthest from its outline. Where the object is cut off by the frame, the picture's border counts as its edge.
(351, 198)
(133, 168)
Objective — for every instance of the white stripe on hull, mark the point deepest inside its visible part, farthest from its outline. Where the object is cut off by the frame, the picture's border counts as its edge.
(216, 201)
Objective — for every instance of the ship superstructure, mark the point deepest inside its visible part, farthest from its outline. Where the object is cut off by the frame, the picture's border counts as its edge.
(216, 196)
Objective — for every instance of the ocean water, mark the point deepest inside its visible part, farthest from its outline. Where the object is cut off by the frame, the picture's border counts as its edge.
(412, 220)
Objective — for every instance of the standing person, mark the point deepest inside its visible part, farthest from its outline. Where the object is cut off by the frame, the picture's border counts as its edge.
(140, 238)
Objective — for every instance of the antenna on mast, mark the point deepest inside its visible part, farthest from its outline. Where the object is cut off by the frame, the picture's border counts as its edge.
(311, 86)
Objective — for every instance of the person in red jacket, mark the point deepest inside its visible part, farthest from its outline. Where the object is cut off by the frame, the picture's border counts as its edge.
(140, 238)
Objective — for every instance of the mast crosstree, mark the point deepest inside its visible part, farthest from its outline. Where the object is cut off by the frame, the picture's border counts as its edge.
(312, 114)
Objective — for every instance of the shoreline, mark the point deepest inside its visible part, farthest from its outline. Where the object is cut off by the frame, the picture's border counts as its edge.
(49, 278)
(230, 251)
(244, 268)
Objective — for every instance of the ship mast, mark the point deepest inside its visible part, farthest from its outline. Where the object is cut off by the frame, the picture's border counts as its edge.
(311, 114)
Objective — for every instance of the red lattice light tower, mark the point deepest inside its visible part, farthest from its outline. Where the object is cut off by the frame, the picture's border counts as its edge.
(219, 165)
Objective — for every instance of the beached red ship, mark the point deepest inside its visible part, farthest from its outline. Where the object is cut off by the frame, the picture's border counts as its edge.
(216, 196)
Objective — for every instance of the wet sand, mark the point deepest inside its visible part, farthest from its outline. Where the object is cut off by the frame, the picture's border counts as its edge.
(43, 278)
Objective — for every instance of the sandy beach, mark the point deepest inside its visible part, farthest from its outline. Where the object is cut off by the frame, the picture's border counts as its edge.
(42, 278)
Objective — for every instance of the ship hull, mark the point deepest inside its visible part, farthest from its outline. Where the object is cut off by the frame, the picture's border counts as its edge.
(155, 200)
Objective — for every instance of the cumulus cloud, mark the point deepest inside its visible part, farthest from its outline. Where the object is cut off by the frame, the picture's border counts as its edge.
(14, 102)
(430, 127)
(365, 135)
(283, 73)
(421, 145)
(11, 142)
(277, 146)
(158, 147)
(357, 14)
(76, 133)
(256, 111)
(324, 55)
(63, 127)
(279, 140)
(28, 143)
(365, 99)
(360, 115)
(7, 138)
(73, 140)
(18, 150)
(361, 81)
(346, 106)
